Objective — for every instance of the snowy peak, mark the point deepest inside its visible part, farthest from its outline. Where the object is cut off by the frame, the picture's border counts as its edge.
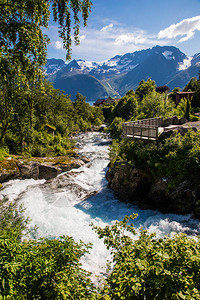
(196, 60)
(166, 65)
(53, 65)
(120, 63)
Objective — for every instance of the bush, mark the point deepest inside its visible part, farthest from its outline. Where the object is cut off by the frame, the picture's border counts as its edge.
(3, 152)
(176, 157)
(44, 269)
(194, 118)
(115, 128)
(150, 268)
(97, 122)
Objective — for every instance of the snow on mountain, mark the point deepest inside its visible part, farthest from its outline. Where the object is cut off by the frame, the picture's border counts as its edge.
(185, 64)
(164, 64)
(168, 55)
(53, 65)
(120, 63)
(196, 59)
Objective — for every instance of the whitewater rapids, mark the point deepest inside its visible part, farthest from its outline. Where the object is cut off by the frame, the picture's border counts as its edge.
(61, 207)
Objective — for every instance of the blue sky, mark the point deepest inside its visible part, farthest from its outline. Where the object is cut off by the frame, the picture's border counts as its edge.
(122, 26)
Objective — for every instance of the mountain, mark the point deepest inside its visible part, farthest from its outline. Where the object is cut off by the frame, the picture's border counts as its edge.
(166, 65)
(85, 84)
(53, 65)
(181, 78)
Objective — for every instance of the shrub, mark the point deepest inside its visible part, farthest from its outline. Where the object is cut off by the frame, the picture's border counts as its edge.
(150, 268)
(44, 269)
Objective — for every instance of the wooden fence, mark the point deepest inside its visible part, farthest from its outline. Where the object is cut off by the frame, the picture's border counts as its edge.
(147, 129)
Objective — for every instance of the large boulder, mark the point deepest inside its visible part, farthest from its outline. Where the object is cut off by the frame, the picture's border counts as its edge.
(48, 172)
(29, 170)
(136, 185)
(183, 198)
(158, 194)
(131, 184)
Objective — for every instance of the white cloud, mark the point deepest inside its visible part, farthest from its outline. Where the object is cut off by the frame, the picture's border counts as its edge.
(185, 28)
(82, 37)
(129, 38)
(101, 44)
(58, 45)
(106, 28)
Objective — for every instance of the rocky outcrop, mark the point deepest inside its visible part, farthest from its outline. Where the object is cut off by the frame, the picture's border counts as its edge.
(130, 184)
(136, 185)
(65, 181)
(40, 168)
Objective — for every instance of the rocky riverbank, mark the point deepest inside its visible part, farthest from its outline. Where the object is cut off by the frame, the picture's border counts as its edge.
(15, 167)
(136, 185)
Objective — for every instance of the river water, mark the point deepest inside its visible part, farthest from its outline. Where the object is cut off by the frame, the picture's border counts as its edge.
(62, 207)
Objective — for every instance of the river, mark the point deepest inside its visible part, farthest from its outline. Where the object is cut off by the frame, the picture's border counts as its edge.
(61, 207)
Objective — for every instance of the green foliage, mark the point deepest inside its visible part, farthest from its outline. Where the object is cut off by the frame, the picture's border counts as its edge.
(145, 88)
(44, 120)
(126, 107)
(13, 225)
(115, 128)
(150, 268)
(97, 122)
(181, 108)
(43, 269)
(176, 157)
(23, 52)
(194, 86)
(188, 109)
(3, 153)
(156, 105)
(145, 267)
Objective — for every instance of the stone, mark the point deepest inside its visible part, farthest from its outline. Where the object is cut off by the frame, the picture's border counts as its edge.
(48, 172)
(183, 130)
(182, 121)
(129, 183)
(35, 170)
(25, 171)
(165, 135)
(9, 170)
(167, 122)
(175, 120)
(29, 170)
(63, 181)
(183, 198)
(158, 193)
(73, 165)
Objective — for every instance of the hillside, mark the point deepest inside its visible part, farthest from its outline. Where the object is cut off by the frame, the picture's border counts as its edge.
(166, 65)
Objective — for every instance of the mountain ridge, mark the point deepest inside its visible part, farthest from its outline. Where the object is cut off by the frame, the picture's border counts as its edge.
(167, 65)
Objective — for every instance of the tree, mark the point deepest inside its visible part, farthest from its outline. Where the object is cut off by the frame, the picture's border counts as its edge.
(156, 105)
(23, 44)
(22, 21)
(194, 86)
(145, 88)
(162, 89)
(127, 106)
(115, 128)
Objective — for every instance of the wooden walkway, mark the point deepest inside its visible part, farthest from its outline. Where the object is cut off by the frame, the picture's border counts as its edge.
(147, 129)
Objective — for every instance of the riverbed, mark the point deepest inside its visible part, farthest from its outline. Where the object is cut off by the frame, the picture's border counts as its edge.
(68, 204)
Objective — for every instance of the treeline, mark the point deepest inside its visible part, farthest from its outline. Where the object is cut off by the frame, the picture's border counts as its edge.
(146, 102)
(40, 120)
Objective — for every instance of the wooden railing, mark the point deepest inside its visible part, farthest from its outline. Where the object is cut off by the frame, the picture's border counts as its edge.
(143, 129)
